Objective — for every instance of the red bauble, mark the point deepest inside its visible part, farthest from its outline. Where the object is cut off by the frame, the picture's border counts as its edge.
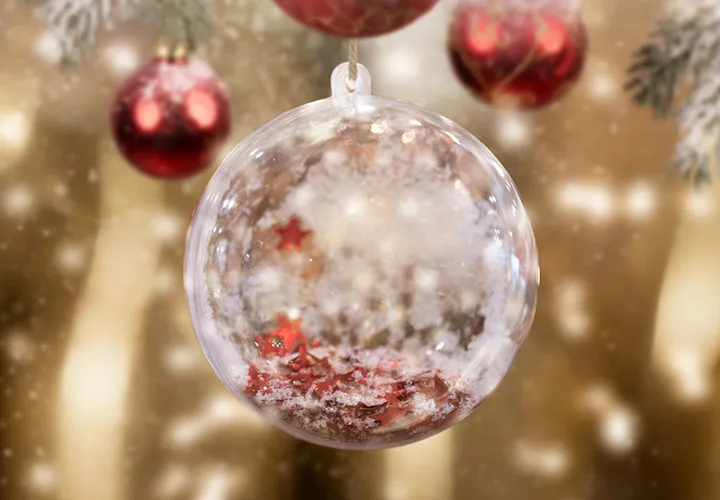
(356, 18)
(170, 117)
(517, 53)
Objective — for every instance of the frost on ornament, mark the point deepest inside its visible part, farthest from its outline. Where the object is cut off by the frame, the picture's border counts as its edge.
(362, 272)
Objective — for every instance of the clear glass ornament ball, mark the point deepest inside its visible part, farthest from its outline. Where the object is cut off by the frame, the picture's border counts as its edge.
(361, 271)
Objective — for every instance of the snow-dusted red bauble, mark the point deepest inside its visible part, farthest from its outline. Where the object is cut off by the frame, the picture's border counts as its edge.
(517, 53)
(356, 18)
(170, 117)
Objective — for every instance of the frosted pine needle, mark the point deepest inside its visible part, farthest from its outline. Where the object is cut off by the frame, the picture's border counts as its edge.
(684, 51)
(73, 25)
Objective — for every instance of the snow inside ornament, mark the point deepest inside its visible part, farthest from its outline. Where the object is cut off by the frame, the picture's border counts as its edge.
(361, 271)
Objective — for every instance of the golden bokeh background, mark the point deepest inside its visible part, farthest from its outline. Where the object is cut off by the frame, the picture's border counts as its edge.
(106, 394)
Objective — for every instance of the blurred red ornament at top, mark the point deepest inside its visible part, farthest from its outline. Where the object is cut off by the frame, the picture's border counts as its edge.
(170, 117)
(356, 18)
(518, 53)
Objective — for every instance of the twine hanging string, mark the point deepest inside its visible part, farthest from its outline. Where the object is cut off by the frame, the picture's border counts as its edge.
(352, 65)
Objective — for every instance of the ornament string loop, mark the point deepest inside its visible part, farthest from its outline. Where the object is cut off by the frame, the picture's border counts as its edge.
(352, 65)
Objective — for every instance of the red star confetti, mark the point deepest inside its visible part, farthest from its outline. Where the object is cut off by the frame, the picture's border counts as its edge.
(302, 375)
(291, 235)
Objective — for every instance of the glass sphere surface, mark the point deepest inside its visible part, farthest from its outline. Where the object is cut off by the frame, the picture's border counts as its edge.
(361, 271)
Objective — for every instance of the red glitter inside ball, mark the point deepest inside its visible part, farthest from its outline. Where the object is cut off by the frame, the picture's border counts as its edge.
(341, 395)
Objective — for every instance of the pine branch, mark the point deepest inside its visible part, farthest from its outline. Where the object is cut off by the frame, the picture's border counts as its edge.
(74, 24)
(684, 49)
(699, 122)
(658, 65)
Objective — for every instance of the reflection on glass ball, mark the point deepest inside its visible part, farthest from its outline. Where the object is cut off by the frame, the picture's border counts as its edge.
(362, 272)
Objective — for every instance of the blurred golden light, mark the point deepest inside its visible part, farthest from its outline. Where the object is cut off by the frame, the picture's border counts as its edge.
(396, 490)
(14, 129)
(165, 280)
(593, 200)
(173, 481)
(19, 348)
(122, 59)
(167, 226)
(18, 200)
(186, 432)
(96, 373)
(180, 359)
(687, 333)
(60, 190)
(602, 85)
(618, 429)
(548, 460)
(49, 49)
(689, 375)
(400, 65)
(41, 477)
(70, 257)
(219, 410)
(700, 203)
(598, 398)
(570, 310)
(420, 471)
(513, 130)
(218, 484)
(640, 201)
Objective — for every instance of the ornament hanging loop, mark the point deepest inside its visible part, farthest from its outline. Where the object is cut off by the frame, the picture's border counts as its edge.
(341, 76)
(351, 77)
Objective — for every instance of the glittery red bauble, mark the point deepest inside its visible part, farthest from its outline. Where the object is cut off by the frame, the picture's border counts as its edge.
(517, 53)
(170, 117)
(356, 18)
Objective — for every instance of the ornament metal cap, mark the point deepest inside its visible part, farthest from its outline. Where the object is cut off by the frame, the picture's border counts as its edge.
(181, 51)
